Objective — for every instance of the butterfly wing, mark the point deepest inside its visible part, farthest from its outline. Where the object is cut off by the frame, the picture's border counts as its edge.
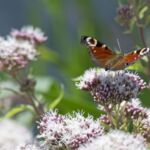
(99, 52)
(130, 58)
(135, 55)
(108, 59)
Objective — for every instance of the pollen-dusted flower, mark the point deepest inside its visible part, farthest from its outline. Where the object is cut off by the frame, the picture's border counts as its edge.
(69, 131)
(34, 35)
(116, 140)
(124, 14)
(15, 54)
(110, 87)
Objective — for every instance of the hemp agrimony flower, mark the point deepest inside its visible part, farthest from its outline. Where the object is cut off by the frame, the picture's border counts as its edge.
(110, 87)
(125, 14)
(15, 54)
(69, 131)
(34, 35)
(19, 48)
(134, 112)
(145, 129)
(128, 116)
(116, 140)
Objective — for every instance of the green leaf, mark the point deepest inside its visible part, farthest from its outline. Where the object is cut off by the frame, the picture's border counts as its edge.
(58, 99)
(142, 12)
(17, 110)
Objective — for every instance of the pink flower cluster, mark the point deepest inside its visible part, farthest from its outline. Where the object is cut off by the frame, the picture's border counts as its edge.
(16, 52)
(110, 87)
(34, 35)
(68, 131)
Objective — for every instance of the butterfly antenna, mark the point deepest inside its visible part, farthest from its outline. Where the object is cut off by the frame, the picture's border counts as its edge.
(119, 45)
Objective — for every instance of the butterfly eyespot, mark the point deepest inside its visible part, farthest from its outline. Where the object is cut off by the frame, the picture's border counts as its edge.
(144, 51)
(91, 41)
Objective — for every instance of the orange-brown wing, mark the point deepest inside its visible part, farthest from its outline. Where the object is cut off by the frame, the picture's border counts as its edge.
(99, 52)
(128, 59)
(135, 55)
(103, 56)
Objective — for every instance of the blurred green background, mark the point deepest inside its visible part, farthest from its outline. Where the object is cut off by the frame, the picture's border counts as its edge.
(63, 58)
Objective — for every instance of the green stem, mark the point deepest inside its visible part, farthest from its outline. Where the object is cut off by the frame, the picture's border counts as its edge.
(30, 97)
(110, 116)
(32, 102)
(142, 34)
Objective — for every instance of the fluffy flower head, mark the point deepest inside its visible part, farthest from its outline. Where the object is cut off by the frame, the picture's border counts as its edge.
(116, 140)
(15, 53)
(110, 86)
(34, 35)
(70, 130)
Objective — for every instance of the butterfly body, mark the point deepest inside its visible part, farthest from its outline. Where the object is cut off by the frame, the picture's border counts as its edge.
(108, 59)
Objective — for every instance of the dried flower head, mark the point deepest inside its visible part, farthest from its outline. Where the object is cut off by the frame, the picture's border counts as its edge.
(110, 87)
(124, 14)
(67, 131)
(15, 54)
(116, 140)
(34, 35)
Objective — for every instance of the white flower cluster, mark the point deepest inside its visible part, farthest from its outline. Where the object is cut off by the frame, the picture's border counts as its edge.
(116, 140)
(34, 35)
(68, 131)
(110, 86)
(16, 53)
